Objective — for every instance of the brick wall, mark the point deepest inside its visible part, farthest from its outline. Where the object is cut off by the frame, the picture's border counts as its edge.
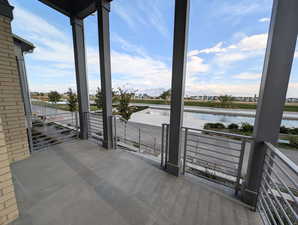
(11, 105)
(8, 206)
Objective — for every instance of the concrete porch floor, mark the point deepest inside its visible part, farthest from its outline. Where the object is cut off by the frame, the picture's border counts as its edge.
(81, 184)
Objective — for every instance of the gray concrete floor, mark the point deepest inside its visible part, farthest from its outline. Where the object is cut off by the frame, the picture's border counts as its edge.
(80, 184)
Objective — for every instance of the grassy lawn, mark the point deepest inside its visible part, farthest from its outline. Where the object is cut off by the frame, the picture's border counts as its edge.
(58, 106)
(234, 105)
(49, 105)
(66, 108)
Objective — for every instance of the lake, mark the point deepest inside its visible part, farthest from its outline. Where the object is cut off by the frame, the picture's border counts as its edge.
(195, 119)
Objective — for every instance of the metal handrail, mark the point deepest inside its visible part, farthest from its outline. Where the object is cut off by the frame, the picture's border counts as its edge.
(47, 130)
(283, 157)
(215, 157)
(278, 194)
(222, 133)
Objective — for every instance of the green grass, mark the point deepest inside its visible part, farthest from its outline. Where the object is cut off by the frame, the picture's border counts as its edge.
(49, 105)
(66, 108)
(59, 106)
(234, 105)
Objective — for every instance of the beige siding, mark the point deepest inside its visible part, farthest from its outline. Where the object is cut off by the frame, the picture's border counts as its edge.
(8, 205)
(11, 105)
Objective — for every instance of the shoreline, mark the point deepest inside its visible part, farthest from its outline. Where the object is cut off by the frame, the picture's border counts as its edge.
(219, 111)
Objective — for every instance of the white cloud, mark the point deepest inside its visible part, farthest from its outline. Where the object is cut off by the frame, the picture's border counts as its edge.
(28, 22)
(248, 46)
(227, 58)
(253, 43)
(241, 8)
(264, 20)
(133, 67)
(292, 90)
(142, 13)
(248, 76)
(239, 89)
(215, 49)
(196, 65)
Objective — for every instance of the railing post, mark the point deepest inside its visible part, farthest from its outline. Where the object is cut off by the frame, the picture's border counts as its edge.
(125, 131)
(115, 132)
(76, 124)
(239, 169)
(139, 139)
(162, 144)
(167, 146)
(185, 150)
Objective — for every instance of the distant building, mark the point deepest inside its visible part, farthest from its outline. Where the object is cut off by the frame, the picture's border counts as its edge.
(292, 100)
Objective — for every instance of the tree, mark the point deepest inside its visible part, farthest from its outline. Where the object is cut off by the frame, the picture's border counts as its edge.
(166, 95)
(99, 98)
(72, 100)
(123, 107)
(226, 100)
(54, 97)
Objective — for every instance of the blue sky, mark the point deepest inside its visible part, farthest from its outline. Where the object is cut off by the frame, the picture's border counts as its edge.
(227, 40)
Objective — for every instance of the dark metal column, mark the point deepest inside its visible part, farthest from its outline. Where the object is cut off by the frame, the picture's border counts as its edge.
(276, 72)
(81, 74)
(105, 70)
(178, 84)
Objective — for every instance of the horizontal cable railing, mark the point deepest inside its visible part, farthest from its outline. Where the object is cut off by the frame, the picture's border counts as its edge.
(53, 129)
(217, 156)
(95, 124)
(278, 194)
(137, 137)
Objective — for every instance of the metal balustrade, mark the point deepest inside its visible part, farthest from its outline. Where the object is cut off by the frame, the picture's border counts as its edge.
(136, 137)
(53, 129)
(126, 134)
(213, 155)
(278, 194)
(95, 125)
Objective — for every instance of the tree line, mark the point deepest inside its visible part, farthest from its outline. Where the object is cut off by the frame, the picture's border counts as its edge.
(121, 96)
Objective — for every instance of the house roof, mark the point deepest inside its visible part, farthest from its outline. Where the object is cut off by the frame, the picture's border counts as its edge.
(25, 45)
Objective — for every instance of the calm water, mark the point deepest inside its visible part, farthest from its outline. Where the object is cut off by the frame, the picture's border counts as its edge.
(195, 120)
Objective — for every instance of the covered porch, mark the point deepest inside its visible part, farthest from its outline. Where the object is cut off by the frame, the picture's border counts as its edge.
(81, 183)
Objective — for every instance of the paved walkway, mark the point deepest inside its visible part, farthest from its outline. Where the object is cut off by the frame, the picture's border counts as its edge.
(81, 184)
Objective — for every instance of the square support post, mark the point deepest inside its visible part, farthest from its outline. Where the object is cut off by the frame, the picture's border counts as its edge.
(181, 24)
(103, 11)
(81, 74)
(276, 73)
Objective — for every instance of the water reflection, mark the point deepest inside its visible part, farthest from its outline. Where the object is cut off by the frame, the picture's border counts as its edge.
(195, 120)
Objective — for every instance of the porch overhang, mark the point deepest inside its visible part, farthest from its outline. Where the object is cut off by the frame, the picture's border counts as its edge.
(78, 8)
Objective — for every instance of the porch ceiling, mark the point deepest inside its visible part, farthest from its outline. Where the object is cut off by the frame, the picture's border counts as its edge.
(79, 8)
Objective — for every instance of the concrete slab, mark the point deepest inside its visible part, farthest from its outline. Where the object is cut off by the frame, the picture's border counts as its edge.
(80, 183)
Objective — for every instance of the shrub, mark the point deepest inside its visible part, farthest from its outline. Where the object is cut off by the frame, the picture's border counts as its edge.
(293, 131)
(293, 141)
(246, 127)
(219, 126)
(214, 126)
(233, 126)
(284, 130)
